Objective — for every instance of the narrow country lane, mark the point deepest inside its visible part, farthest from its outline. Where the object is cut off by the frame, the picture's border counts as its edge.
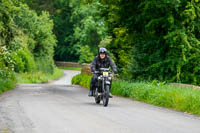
(59, 107)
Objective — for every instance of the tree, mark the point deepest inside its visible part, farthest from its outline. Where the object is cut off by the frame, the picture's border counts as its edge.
(164, 37)
(89, 27)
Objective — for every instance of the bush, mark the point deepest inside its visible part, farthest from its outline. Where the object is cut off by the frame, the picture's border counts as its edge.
(82, 79)
(39, 39)
(24, 61)
(19, 64)
(7, 83)
(45, 65)
(24, 38)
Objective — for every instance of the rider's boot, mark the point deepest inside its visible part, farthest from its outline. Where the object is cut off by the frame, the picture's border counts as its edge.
(90, 93)
(91, 89)
(110, 95)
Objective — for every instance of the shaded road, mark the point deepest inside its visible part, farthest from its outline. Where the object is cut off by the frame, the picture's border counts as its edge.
(59, 107)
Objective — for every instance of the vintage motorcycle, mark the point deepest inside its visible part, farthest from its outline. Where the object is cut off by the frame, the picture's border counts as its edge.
(102, 87)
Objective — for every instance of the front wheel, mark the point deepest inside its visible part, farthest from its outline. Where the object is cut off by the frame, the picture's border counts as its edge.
(97, 98)
(106, 96)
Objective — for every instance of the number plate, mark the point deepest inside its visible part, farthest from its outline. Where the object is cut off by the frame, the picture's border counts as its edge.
(105, 73)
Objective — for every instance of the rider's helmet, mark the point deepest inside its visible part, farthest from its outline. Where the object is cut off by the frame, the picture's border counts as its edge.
(102, 50)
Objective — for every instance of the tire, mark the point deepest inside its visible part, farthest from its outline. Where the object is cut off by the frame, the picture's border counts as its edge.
(106, 96)
(97, 98)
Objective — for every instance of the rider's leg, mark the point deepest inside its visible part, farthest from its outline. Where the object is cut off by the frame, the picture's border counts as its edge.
(91, 88)
(92, 84)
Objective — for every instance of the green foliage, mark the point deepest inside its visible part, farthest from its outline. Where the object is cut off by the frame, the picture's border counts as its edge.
(86, 56)
(41, 40)
(121, 47)
(7, 83)
(82, 79)
(35, 37)
(178, 98)
(89, 27)
(24, 38)
(5, 59)
(24, 61)
(61, 12)
(77, 24)
(45, 64)
(70, 68)
(6, 24)
(160, 39)
(147, 39)
(160, 94)
(7, 32)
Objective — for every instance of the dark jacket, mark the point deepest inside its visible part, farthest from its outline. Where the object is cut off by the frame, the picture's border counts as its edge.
(105, 63)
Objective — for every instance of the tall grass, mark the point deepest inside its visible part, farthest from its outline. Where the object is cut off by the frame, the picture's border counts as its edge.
(7, 83)
(174, 97)
(70, 68)
(179, 98)
(38, 77)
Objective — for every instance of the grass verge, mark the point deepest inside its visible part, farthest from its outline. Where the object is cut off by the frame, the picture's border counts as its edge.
(7, 83)
(38, 77)
(70, 68)
(178, 98)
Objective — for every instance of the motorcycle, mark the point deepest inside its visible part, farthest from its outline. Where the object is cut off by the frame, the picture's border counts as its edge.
(102, 87)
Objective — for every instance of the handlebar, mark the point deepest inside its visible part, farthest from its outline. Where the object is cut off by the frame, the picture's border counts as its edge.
(98, 72)
(104, 70)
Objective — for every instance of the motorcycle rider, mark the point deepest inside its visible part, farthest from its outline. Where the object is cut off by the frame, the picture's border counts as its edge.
(100, 61)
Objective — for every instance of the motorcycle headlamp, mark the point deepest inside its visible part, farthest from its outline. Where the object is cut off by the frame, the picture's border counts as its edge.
(105, 73)
(100, 77)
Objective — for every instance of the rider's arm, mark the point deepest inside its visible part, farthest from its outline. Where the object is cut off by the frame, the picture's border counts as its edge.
(93, 65)
(113, 66)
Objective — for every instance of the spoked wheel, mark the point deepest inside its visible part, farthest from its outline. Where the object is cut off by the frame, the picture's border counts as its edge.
(106, 96)
(97, 98)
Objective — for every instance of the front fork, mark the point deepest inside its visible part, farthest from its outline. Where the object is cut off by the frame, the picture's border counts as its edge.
(104, 84)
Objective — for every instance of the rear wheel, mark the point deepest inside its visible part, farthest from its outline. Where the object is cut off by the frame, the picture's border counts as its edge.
(106, 96)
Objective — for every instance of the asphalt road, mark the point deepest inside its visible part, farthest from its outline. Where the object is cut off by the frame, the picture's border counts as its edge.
(59, 107)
